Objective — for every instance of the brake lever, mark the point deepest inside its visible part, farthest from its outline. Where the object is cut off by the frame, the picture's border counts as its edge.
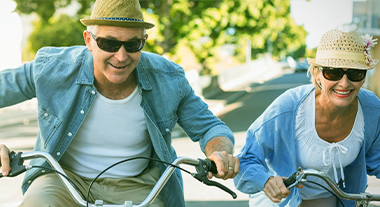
(16, 163)
(294, 179)
(202, 169)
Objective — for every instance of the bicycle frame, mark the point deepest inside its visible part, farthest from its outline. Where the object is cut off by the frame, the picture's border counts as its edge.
(361, 199)
(197, 163)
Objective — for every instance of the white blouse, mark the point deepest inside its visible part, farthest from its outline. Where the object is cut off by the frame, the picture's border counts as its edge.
(315, 153)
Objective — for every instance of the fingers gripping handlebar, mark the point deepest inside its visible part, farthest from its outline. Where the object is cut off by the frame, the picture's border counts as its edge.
(207, 165)
(16, 164)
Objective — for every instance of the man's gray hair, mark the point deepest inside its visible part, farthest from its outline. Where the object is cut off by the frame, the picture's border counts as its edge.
(95, 28)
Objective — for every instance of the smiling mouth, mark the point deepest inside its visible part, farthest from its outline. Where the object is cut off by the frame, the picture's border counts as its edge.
(119, 67)
(343, 92)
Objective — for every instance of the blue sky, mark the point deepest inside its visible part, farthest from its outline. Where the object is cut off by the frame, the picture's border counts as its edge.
(319, 16)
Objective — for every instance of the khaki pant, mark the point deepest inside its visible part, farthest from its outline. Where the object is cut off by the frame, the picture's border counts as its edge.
(48, 190)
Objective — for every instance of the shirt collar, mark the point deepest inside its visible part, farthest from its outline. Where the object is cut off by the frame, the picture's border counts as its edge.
(86, 71)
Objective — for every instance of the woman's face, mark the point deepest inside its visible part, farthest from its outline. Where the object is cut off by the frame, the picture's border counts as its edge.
(340, 93)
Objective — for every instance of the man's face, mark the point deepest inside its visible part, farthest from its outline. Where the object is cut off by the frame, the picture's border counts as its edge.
(113, 68)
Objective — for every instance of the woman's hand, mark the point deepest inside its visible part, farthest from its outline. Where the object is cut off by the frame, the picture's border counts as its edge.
(276, 190)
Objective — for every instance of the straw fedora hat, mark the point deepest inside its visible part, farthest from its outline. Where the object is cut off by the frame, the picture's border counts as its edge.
(344, 50)
(121, 13)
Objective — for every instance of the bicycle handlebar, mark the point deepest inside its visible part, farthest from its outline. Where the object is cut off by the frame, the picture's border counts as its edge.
(301, 176)
(202, 166)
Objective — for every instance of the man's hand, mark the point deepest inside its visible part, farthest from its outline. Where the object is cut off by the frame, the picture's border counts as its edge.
(227, 165)
(4, 160)
(275, 189)
(220, 151)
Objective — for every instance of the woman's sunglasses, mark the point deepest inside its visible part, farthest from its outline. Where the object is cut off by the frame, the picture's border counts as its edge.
(335, 74)
(109, 45)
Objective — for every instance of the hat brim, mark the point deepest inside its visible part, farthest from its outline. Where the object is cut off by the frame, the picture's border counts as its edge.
(360, 66)
(117, 23)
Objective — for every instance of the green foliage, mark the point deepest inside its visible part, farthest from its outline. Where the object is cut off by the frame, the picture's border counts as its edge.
(61, 31)
(311, 53)
(45, 9)
(205, 27)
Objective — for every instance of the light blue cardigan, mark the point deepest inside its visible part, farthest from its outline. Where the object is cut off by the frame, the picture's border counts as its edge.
(270, 146)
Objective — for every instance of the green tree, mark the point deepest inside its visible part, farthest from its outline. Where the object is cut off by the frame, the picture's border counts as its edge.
(203, 26)
(61, 31)
(44, 9)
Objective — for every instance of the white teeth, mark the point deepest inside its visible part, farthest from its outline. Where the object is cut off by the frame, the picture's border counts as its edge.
(118, 66)
(342, 92)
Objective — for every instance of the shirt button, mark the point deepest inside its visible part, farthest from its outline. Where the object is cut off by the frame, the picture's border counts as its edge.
(58, 153)
(167, 130)
(81, 111)
(70, 134)
(46, 114)
(43, 171)
(93, 92)
(29, 181)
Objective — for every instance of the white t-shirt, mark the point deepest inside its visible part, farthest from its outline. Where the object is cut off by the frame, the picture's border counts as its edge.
(112, 131)
(315, 153)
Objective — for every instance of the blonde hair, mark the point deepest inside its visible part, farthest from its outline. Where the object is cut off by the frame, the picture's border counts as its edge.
(312, 73)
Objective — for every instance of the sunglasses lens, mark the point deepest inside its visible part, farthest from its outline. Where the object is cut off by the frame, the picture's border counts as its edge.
(114, 45)
(134, 45)
(333, 74)
(356, 75)
(108, 45)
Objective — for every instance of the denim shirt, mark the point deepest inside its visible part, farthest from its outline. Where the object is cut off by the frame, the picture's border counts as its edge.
(270, 148)
(62, 79)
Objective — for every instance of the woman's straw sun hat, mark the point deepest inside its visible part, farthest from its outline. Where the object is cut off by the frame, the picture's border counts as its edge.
(344, 50)
(121, 13)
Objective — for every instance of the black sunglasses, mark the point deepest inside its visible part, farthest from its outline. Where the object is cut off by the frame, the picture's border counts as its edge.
(109, 45)
(335, 74)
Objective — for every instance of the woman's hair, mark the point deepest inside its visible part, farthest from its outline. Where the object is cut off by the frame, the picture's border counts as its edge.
(312, 73)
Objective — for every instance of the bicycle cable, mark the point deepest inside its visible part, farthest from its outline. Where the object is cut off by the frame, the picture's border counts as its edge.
(126, 160)
(332, 193)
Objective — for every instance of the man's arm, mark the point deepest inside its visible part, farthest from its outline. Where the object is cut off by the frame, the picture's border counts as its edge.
(220, 150)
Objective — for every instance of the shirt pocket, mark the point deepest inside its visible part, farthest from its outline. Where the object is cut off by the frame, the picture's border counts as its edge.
(49, 124)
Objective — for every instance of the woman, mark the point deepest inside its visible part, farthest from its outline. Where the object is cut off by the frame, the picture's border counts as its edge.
(332, 125)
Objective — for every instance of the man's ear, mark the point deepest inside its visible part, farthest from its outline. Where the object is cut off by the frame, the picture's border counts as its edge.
(87, 39)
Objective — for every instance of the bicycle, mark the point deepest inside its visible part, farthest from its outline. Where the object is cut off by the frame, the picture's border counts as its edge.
(202, 166)
(299, 177)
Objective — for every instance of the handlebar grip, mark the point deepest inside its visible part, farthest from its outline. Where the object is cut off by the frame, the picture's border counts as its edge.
(16, 163)
(290, 180)
(211, 166)
(208, 165)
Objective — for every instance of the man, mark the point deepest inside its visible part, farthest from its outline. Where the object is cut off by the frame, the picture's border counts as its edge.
(106, 102)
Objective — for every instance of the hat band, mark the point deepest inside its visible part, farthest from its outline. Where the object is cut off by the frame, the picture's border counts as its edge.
(120, 19)
(340, 55)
